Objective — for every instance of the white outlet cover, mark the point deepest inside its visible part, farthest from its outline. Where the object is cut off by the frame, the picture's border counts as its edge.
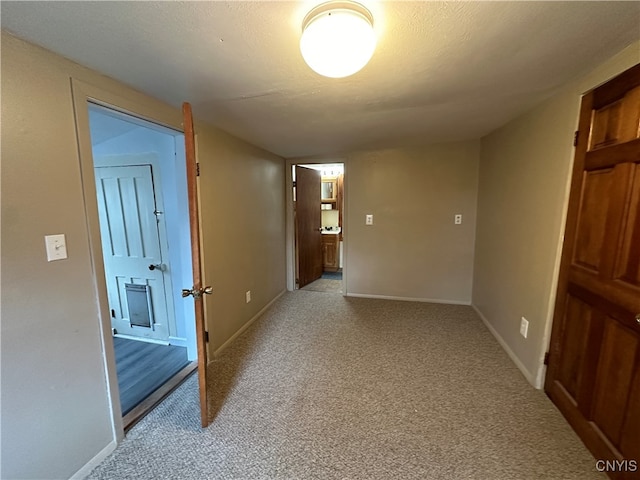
(457, 219)
(56, 246)
(368, 219)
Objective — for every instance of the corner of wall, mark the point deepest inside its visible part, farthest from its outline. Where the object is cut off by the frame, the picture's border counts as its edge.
(534, 379)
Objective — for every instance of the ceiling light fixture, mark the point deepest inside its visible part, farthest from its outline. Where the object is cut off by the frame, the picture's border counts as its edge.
(337, 38)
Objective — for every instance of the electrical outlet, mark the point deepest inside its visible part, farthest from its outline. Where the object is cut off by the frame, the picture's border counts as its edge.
(457, 219)
(524, 327)
(248, 296)
(368, 219)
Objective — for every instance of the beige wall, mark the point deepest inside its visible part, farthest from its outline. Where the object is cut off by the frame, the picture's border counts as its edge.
(413, 250)
(55, 411)
(523, 188)
(243, 229)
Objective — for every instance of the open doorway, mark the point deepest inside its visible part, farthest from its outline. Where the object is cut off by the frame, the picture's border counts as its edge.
(318, 197)
(143, 211)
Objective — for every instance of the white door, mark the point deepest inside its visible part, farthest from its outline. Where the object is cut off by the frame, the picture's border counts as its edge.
(131, 249)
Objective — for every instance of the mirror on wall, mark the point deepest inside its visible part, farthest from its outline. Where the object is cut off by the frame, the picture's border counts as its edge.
(328, 190)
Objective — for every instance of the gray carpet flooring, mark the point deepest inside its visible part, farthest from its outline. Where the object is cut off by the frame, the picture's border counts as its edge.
(326, 285)
(327, 387)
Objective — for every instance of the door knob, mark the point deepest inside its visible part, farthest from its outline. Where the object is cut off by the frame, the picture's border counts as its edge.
(638, 318)
(157, 266)
(197, 293)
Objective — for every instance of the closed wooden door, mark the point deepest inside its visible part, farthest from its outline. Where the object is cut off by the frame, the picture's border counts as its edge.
(132, 252)
(594, 363)
(308, 224)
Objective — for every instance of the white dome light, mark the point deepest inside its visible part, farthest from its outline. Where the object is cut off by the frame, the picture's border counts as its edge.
(337, 38)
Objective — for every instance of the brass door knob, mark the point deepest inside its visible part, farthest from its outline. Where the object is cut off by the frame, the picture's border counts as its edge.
(197, 293)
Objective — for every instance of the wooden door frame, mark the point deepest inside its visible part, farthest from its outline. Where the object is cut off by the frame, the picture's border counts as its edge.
(156, 113)
(290, 235)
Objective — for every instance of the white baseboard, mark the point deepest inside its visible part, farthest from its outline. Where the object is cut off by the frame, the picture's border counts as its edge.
(531, 378)
(178, 341)
(141, 339)
(247, 325)
(409, 299)
(94, 462)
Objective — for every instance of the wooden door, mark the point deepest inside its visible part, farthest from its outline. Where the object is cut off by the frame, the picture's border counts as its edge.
(197, 290)
(130, 246)
(308, 224)
(594, 361)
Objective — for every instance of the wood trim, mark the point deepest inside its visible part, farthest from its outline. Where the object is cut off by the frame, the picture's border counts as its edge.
(623, 152)
(149, 403)
(608, 93)
(624, 302)
(194, 222)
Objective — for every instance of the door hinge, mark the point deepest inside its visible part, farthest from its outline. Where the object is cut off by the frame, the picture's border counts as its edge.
(197, 169)
(294, 184)
(575, 138)
(546, 358)
(206, 336)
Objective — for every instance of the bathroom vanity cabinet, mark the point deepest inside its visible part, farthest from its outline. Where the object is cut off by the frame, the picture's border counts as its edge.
(330, 252)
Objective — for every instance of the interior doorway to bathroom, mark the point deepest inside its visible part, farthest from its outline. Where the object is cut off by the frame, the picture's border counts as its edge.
(318, 198)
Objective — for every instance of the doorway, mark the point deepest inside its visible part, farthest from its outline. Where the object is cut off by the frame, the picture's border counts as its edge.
(318, 211)
(143, 211)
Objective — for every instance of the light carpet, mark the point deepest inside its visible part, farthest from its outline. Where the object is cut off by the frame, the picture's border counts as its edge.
(328, 387)
(326, 285)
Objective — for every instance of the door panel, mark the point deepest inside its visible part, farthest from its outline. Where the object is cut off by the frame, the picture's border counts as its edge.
(308, 224)
(594, 362)
(577, 323)
(616, 122)
(630, 441)
(615, 372)
(593, 219)
(628, 264)
(131, 242)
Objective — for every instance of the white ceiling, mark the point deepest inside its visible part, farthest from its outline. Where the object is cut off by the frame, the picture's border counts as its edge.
(442, 71)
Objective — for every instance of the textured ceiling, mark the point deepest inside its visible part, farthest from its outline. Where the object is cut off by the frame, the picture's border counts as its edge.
(442, 71)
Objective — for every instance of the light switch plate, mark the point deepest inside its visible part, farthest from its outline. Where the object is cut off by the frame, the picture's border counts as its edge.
(368, 219)
(524, 327)
(56, 247)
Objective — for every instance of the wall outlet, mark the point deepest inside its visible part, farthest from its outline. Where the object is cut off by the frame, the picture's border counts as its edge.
(368, 219)
(524, 327)
(248, 296)
(457, 219)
